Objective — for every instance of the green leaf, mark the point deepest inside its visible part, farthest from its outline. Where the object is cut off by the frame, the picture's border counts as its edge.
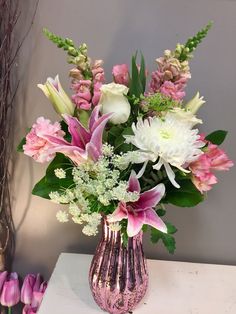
(186, 196)
(171, 229)
(50, 183)
(169, 243)
(161, 212)
(135, 84)
(142, 73)
(167, 239)
(20, 146)
(145, 228)
(217, 137)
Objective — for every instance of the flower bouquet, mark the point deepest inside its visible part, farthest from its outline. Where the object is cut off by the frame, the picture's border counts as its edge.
(121, 152)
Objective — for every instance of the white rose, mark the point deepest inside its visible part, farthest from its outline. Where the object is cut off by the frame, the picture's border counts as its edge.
(113, 100)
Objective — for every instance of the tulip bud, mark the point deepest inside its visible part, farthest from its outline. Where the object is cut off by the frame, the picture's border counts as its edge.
(3, 277)
(10, 295)
(27, 289)
(56, 94)
(195, 103)
(113, 100)
(28, 309)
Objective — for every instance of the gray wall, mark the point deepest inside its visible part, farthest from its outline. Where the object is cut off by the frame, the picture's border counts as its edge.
(113, 30)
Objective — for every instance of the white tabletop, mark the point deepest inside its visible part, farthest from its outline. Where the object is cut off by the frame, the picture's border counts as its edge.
(174, 288)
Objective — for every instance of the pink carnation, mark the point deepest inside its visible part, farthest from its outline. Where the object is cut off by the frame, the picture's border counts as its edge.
(172, 90)
(204, 182)
(36, 145)
(121, 74)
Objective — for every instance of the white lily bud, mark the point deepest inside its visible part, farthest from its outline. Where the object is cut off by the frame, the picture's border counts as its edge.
(195, 103)
(58, 97)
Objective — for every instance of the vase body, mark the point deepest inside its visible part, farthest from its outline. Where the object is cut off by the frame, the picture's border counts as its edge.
(118, 275)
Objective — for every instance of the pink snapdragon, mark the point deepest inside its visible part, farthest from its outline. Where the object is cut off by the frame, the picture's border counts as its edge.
(213, 159)
(172, 90)
(37, 146)
(171, 77)
(98, 72)
(141, 211)
(82, 97)
(121, 74)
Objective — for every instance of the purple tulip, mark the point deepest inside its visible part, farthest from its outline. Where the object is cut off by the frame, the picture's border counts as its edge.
(10, 295)
(3, 277)
(38, 295)
(27, 289)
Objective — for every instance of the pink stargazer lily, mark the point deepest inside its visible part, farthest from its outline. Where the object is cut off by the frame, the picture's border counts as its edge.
(141, 211)
(85, 143)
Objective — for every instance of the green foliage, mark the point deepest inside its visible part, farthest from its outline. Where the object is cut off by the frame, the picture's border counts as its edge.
(161, 212)
(217, 137)
(158, 102)
(50, 183)
(186, 196)
(138, 77)
(193, 42)
(20, 146)
(76, 55)
(167, 238)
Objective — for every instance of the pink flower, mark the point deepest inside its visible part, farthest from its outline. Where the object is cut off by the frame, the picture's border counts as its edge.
(96, 93)
(3, 278)
(28, 309)
(218, 158)
(121, 74)
(204, 181)
(10, 295)
(82, 97)
(85, 144)
(38, 295)
(98, 72)
(27, 289)
(213, 159)
(141, 211)
(37, 146)
(172, 90)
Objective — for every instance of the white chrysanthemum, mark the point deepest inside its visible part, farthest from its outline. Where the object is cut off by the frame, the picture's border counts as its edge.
(170, 141)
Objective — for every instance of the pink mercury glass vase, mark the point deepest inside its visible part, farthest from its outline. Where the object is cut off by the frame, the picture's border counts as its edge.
(118, 275)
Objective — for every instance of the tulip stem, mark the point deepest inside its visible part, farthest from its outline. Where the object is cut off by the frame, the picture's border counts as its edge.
(9, 310)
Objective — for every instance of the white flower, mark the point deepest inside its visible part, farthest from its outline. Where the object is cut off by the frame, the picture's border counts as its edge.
(170, 141)
(60, 173)
(187, 116)
(195, 103)
(62, 216)
(113, 100)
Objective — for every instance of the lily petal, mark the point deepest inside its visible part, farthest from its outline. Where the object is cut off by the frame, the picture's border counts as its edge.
(94, 117)
(96, 138)
(80, 136)
(151, 197)
(119, 214)
(135, 223)
(134, 185)
(152, 219)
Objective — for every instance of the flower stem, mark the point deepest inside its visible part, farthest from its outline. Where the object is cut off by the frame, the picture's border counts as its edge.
(9, 310)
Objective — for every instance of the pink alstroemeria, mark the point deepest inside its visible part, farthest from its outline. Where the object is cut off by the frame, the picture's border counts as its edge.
(141, 211)
(85, 144)
(10, 295)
